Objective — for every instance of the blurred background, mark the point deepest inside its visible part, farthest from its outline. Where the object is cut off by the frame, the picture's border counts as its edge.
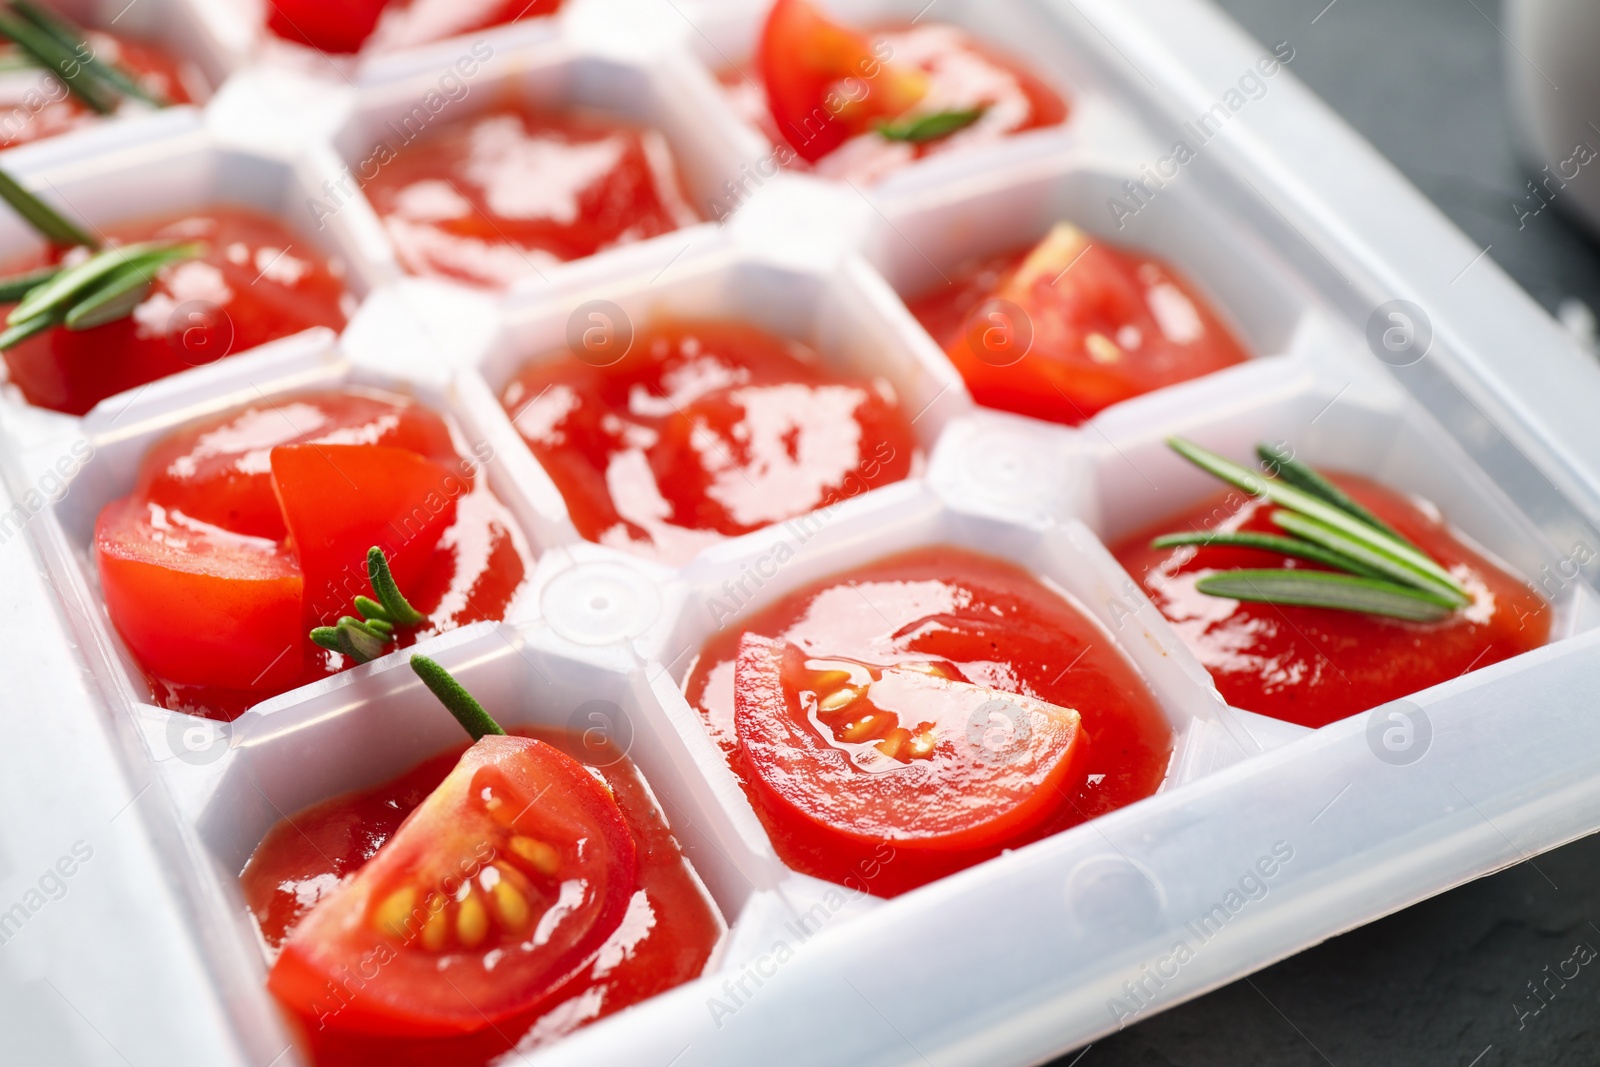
(1446, 982)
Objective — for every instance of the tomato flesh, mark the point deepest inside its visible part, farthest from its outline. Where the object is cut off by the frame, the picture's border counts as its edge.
(1072, 326)
(1314, 666)
(219, 470)
(357, 467)
(666, 937)
(903, 755)
(495, 198)
(824, 89)
(703, 430)
(971, 619)
(805, 57)
(343, 26)
(340, 500)
(257, 281)
(495, 890)
(199, 602)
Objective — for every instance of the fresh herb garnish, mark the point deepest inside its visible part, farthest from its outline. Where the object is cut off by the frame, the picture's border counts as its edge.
(468, 712)
(103, 288)
(364, 639)
(59, 46)
(46, 220)
(72, 37)
(919, 129)
(1325, 589)
(1384, 573)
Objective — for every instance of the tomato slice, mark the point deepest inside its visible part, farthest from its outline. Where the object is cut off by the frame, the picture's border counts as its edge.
(197, 604)
(340, 500)
(824, 82)
(501, 885)
(910, 754)
(218, 470)
(1078, 326)
(329, 25)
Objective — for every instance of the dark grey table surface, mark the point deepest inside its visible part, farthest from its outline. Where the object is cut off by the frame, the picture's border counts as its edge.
(1446, 981)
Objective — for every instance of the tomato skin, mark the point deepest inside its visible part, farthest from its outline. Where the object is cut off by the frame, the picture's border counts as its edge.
(330, 25)
(997, 626)
(197, 604)
(705, 429)
(1315, 666)
(1077, 298)
(340, 500)
(218, 469)
(456, 837)
(307, 855)
(460, 561)
(962, 796)
(344, 26)
(256, 281)
(803, 56)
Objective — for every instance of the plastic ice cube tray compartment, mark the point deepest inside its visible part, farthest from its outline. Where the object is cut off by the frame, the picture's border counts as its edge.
(1265, 837)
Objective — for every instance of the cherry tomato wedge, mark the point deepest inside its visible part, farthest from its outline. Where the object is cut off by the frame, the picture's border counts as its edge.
(218, 470)
(340, 500)
(907, 754)
(500, 886)
(197, 602)
(331, 25)
(825, 83)
(1074, 326)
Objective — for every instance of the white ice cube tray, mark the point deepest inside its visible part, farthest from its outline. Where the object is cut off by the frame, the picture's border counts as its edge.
(1265, 837)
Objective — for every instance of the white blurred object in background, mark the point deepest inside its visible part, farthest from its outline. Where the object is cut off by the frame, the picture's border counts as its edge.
(1554, 86)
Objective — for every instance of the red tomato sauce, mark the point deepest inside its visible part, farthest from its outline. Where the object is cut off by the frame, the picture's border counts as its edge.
(35, 105)
(704, 430)
(257, 281)
(204, 537)
(997, 626)
(502, 195)
(1066, 329)
(667, 936)
(961, 71)
(347, 26)
(1314, 666)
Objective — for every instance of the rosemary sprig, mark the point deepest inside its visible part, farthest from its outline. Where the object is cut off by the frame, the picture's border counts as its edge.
(1303, 476)
(105, 287)
(16, 286)
(468, 712)
(1287, 546)
(1287, 496)
(919, 129)
(1384, 573)
(72, 38)
(1325, 589)
(61, 60)
(365, 639)
(42, 217)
